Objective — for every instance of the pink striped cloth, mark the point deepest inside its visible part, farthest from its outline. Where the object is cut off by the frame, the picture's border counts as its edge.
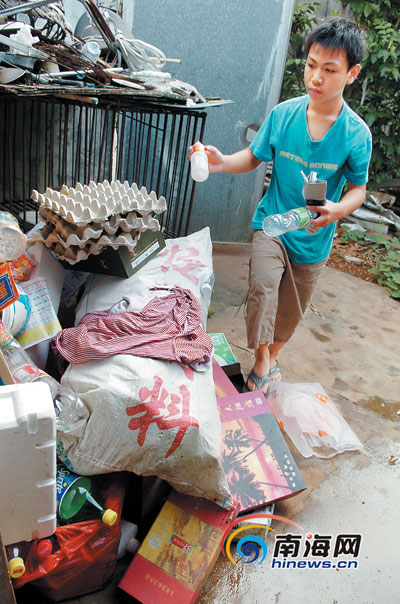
(168, 327)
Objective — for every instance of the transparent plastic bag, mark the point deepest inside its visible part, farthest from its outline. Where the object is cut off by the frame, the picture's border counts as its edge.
(311, 420)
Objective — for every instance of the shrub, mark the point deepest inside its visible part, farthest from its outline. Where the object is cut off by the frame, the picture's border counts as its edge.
(375, 95)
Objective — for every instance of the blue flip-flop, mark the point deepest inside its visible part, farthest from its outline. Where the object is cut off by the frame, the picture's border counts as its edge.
(275, 369)
(259, 381)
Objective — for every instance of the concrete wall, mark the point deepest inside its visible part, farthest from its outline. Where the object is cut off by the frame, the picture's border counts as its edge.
(228, 49)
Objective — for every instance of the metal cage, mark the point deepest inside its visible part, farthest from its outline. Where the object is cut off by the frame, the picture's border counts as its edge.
(55, 141)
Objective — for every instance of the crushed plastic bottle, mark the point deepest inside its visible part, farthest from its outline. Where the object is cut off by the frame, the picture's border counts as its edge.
(292, 220)
(91, 51)
(12, 239)
(68, 407)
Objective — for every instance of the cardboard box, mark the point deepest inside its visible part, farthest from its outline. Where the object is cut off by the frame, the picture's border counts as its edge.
(121, 262)
(179, 551)
(6, 377)
(254, 449)
(222, 351)
(223, 385)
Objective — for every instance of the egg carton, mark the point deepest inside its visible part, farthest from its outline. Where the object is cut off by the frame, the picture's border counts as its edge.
(131, 222)
(71, 234)
(57, 230)
(49, 236)
(97, 201)
(71, 254)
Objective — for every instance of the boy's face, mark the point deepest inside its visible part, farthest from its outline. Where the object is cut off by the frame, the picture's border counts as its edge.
(327, 73)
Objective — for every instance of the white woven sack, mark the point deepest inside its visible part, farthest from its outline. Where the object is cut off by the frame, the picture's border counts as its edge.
(148, 416)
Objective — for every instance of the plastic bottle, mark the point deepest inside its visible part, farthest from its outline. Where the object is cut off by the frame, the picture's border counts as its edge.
(292, 220)
(73, 492)
(12, 239)
(41, 548)
(31, 553)
(91, 51)
(199, 163)
(16, 554)
(68, 407)
(128, 542)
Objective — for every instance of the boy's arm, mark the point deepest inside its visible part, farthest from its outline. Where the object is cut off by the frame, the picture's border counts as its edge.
(351, 200)
(237, 163)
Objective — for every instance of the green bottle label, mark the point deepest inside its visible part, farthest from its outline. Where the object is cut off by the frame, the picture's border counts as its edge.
(71, 492)
(304, 217)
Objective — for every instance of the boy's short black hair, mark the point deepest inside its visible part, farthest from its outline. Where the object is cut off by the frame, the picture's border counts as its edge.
(340, 33)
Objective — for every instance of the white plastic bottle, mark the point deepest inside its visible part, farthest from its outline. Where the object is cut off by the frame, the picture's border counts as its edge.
(128, 542)
(199, 163)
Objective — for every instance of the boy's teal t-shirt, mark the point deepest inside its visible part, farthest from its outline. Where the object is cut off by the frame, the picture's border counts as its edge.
(343, 154)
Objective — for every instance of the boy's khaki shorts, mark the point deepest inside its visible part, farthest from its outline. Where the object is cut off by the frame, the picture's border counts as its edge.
(279, 291)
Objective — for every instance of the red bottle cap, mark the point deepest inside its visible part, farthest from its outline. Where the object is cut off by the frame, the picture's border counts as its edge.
(44, 548)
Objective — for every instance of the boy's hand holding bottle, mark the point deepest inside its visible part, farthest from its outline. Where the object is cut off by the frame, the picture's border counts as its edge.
(205, 159)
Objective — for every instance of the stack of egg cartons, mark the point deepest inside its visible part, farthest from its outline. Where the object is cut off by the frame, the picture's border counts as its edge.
(84, 219)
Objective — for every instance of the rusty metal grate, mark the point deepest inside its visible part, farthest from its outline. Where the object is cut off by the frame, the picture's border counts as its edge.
(51, 142)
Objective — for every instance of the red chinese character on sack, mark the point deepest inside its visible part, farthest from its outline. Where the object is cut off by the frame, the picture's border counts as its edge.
(188, 371)
(185, 260)
(175, 414)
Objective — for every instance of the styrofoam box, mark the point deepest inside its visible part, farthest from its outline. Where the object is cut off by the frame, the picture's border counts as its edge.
(27, 462)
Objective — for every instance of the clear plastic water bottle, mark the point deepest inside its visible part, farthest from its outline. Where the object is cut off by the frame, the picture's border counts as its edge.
(292, 220)
(199, 163)
(12, 239)
(68, 407)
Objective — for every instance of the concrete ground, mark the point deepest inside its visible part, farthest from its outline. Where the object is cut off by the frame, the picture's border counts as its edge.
(349, 343)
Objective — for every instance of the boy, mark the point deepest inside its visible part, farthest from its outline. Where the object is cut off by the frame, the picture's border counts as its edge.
(316, 132)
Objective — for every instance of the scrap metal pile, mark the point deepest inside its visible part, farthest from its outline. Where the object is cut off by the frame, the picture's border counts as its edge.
(40, 54)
